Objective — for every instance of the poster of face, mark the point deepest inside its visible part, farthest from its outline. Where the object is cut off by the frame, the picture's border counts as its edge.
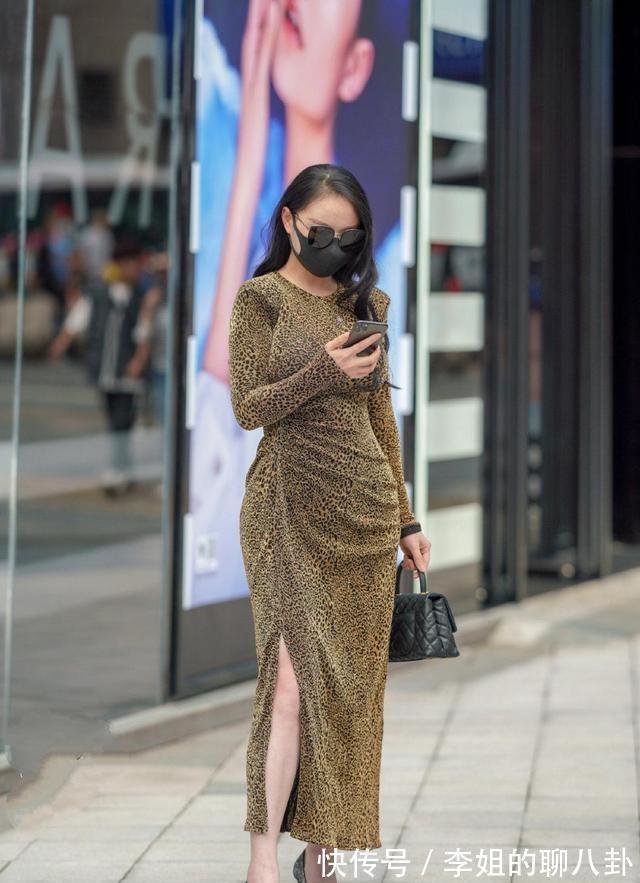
(281, 84)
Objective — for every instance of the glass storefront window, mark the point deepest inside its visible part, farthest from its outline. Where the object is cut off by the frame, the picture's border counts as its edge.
(89, 576)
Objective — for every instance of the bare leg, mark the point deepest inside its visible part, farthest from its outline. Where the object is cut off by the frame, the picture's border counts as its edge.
(281, 765)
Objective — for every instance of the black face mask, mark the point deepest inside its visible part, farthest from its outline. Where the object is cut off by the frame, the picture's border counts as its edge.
(320, 261)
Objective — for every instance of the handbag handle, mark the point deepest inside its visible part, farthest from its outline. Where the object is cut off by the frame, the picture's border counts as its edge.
(434, 595)
(422, 576)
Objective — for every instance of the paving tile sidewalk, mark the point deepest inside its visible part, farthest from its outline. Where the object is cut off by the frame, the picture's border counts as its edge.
(529, 740)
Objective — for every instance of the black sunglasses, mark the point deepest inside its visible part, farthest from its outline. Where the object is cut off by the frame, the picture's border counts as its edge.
(320, 236)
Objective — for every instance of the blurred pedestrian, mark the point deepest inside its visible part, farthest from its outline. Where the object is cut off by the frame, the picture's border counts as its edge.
(60, 240)
(96, 243)
(117, 351)
(153, 326)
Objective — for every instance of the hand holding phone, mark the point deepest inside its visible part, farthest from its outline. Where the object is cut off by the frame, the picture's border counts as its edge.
(351, 358)
(362, 329)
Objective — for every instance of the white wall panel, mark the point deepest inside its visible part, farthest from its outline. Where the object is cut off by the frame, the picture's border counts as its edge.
(408, 199)
(410, 77)
(456, 535)
(466, 17)
(458, 111)
(456, 321)
(457, 215)
(454, 429)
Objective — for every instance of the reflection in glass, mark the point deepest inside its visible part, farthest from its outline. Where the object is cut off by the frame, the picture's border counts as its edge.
(89, 580)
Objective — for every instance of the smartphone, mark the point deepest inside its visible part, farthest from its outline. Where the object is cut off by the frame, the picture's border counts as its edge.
(363, 328)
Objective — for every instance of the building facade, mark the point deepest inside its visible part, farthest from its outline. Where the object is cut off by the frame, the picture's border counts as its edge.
(501, 168)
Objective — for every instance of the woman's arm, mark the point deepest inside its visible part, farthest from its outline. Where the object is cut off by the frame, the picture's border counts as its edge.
(385, 427)
(254, 400)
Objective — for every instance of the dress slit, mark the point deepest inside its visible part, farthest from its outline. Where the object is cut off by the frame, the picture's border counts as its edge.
(288, 815)
(272, 666)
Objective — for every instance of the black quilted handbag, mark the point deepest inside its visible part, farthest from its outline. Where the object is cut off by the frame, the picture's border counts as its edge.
(422, 624)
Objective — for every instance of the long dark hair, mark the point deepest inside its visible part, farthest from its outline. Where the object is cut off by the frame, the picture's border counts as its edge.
(360, 274)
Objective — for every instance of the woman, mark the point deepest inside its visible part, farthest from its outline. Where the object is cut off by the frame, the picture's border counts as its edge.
(324, 509)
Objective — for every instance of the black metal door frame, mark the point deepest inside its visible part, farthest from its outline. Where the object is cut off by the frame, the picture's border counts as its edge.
(506, 322)
(505, 539)
(595, 541)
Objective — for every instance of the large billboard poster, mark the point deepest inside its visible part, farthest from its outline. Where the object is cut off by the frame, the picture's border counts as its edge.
(281, 84)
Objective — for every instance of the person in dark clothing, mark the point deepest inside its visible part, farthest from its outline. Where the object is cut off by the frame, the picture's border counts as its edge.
(118, 356)
(117, 349)
(55, 256)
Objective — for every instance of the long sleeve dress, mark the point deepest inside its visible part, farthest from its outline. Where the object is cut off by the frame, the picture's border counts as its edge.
(323, 510)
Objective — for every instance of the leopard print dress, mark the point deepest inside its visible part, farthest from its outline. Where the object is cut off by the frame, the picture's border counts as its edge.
(320, 521)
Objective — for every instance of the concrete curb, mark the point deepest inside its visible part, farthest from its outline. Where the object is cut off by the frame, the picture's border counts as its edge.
(183, 717)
